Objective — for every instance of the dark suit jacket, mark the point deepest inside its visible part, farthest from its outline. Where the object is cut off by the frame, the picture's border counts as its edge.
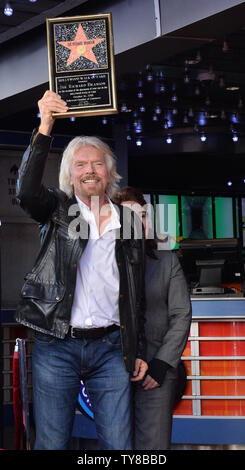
(168, 308)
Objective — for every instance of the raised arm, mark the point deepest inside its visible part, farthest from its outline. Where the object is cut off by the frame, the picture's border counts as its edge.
(38, 201)
(50, 103)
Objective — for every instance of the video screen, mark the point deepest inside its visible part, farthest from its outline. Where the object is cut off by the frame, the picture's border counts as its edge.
(197, 217)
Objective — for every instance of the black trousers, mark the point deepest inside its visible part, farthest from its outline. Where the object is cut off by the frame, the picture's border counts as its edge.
(153, 414)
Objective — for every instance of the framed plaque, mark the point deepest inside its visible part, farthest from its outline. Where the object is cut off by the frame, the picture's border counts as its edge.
(81, 64)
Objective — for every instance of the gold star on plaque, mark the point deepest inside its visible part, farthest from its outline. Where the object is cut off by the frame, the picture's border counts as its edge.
(81, 46)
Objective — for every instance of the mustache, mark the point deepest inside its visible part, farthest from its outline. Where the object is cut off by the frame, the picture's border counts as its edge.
(90, 176)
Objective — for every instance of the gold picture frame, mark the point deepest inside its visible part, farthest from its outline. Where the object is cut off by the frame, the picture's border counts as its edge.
(81, 64)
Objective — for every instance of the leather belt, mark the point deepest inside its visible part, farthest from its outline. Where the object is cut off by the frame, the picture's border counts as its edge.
(91, 333)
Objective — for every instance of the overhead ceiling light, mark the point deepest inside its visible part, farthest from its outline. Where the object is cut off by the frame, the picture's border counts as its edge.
(232, 88)
(32, 1)
(139, 142)
(197, 91)
(138, 125)
(158, 109)
(186, 78)
(149, 76)
(8, 10)
(169, 140)
(124, 108)
(202, 119)
(235, 117)
(194, 60)
(174, 98)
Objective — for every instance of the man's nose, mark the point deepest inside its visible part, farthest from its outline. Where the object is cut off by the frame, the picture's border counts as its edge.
(90, 167)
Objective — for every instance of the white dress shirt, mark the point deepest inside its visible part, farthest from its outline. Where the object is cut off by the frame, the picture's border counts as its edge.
(95, 302)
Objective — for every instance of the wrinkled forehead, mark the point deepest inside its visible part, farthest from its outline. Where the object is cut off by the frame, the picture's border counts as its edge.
(88, 153)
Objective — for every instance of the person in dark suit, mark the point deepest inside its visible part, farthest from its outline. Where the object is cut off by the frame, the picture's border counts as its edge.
(168, 318)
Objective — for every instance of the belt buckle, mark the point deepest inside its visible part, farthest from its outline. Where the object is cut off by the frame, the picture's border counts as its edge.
(72, 333)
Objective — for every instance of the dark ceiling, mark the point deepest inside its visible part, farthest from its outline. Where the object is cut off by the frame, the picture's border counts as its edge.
(201, 89)
(22, 12)
(185, 85)
(29, 14)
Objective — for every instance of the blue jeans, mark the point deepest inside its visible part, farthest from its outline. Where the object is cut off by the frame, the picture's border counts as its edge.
(58, 367)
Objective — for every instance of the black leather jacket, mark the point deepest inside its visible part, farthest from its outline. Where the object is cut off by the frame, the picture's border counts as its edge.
(47, 294)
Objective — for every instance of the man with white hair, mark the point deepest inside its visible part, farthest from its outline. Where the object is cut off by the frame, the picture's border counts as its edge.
(84, 296)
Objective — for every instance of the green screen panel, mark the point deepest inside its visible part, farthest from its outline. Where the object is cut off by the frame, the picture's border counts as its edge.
(224, 217)
(237, 217)
(167, 220)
